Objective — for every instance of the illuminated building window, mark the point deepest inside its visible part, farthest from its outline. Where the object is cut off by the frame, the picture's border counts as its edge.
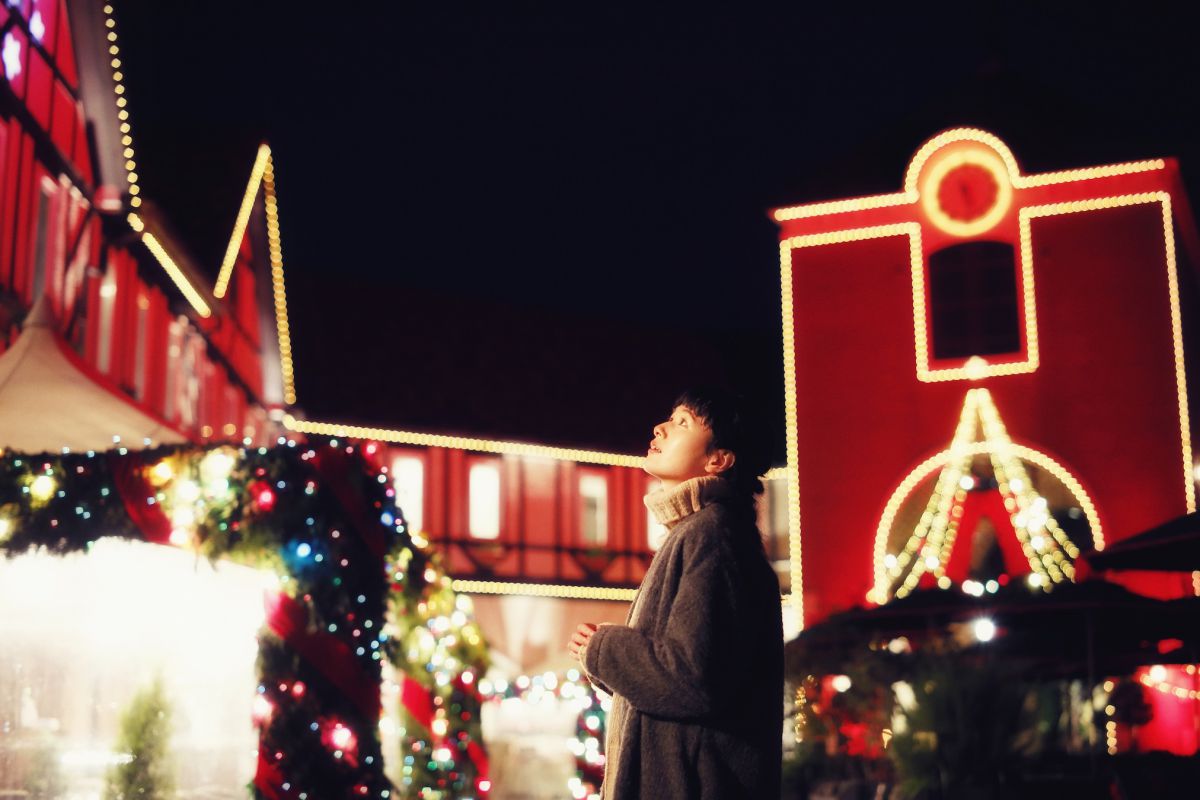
(142, 344)
(41, 239)
(973, 299)
(174, 354)
(408, 479)
(593, 509)
(484, 504)
(108, 300)
(190, 384)
(773, 519)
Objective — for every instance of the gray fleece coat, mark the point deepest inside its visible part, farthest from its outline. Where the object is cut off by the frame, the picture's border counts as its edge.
(700, 666)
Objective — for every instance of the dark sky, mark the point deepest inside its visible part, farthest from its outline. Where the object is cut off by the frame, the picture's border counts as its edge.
(539, 221)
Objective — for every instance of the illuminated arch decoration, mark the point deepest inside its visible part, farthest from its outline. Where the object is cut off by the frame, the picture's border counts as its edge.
(1048, 551)
(356, 589)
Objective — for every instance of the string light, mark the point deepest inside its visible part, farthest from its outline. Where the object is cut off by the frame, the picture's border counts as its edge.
(1120, 201)
(131, 176)
(844, 206)
(1156, 679)
(983, 159)
(460, 443)
(243, 217)
(275, 249)
(170, 267)
(934, 535)
(795, 548)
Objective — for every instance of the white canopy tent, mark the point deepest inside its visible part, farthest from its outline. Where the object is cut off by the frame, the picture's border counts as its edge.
(50, 398)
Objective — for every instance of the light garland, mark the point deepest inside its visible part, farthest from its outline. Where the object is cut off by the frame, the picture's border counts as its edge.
(1160, 684)
(592, 709)
(462, 443)
(114, 50)
(243, 217)
(355, 601)
(169, 266)
(275, 249)
(929, 546)
(795, 548)
(1120, 201)
(910, 195)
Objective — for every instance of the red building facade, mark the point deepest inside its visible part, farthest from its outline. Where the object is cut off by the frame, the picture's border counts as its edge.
(990, 351)
(124, 312)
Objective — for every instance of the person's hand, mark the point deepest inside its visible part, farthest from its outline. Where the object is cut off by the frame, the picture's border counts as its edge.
(580, 639)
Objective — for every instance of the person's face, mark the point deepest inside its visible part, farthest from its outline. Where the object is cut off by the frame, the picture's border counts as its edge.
(679, 449)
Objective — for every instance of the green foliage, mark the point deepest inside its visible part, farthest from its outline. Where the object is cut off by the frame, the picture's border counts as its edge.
(44, 780)
(962, 728)
(144, 737)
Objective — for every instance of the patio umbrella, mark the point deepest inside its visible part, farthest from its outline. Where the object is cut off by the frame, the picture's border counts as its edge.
(1087, 628)
(1173, 546)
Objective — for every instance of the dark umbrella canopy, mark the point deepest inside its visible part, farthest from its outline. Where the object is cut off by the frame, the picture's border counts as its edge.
(1171, 547)
(1078, 628)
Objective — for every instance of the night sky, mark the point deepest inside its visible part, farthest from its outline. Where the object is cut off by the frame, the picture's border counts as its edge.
(540, 221)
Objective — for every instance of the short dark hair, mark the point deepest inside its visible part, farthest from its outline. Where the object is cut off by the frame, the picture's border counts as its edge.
(734, 428)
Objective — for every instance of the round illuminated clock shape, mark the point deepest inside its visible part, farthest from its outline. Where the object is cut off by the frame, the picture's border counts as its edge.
(967, 193)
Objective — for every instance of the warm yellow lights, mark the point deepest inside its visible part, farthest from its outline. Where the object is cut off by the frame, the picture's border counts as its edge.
(1045, 545)
(1003, 155)
(277, 284)
(176, 274)
(544, 590)
(461, 443)
(974, 369)
(42, 488)
(1089, 173)
(936, 159)
(795, 550)
(131, 177)
(1157, 679)
(1056, 209)
(243, 217)
(845, 206)
(930, 192)
(977, 368)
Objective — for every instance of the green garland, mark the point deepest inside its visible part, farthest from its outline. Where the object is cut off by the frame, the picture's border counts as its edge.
(365, 589)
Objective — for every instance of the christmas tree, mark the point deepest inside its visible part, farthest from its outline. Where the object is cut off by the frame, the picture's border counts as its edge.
(145, 771)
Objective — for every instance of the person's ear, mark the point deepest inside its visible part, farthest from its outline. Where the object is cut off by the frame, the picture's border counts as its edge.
(719, 461)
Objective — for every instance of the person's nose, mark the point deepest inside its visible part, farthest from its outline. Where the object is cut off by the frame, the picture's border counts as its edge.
(659, 431)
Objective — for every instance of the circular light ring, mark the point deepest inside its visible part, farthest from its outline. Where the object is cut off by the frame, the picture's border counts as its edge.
(973, 156)
(936, 462)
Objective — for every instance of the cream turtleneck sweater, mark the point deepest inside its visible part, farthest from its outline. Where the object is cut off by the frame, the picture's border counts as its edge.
(671, 505)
